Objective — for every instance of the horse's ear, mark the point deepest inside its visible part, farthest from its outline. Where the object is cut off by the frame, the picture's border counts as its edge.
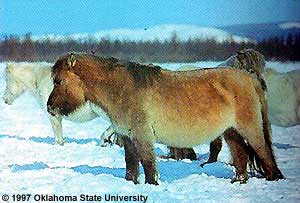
(241, 54)
(9, 67)
(71, 60)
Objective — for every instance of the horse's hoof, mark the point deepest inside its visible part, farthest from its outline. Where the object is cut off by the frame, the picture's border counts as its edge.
(131, 177)
(275, 177)
(154, 182)
(134, 181)
(242, 179)
(60, 142)
(207, 162)
(106, 143)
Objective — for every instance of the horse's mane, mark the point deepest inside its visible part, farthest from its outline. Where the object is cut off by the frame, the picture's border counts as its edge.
(250, 60)
(143, 75)
(247, 59)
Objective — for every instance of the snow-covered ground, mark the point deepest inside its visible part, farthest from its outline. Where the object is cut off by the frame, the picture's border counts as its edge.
(31, 163)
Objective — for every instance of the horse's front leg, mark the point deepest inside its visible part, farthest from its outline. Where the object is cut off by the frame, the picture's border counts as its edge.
(131, 159)
(106, 136)
(57, 129)
(148, 160)
(143, 141)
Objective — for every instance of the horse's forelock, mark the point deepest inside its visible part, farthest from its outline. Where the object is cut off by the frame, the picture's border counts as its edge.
(60, 63)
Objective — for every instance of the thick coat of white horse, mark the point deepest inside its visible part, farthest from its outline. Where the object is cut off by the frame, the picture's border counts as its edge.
(36, 79)
(283, 96)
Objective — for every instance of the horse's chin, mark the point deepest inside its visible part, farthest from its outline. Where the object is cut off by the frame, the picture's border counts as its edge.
(68, 112)
(82, 113)
(8, 101)
(54, 112)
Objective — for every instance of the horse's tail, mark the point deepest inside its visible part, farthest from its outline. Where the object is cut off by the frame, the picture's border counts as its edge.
(255, 162)
(263, 83)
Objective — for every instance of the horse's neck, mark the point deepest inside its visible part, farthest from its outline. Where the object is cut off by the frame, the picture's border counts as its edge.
(27, 76)
(114, 97)
(270, 73)
(41, 83)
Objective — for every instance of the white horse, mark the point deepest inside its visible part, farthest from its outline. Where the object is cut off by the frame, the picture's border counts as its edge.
(283, 97)
(36, 79)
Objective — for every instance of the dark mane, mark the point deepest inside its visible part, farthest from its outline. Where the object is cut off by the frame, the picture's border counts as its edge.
(108, 63)
(143, 75)
(251, 61)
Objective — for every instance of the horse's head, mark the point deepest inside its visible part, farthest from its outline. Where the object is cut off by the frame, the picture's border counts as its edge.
(68, 93)
(250, 60)
(14, 85)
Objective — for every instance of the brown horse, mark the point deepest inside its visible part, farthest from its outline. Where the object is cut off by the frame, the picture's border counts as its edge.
(151, 105)
(250, 61)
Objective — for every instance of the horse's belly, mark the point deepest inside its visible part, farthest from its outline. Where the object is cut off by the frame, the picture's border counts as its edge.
(187, 117)
(186, 139)
(189, 133)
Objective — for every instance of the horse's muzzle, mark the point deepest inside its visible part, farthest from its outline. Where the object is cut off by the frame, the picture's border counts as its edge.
(52, 111)
(7, 101)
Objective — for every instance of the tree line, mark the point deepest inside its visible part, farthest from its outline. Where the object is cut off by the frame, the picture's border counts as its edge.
(14, 48)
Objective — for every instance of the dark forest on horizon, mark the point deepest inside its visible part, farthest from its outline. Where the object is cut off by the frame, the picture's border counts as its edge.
(14, 48)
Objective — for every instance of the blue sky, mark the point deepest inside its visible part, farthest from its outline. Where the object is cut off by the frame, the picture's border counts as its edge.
(77, 16)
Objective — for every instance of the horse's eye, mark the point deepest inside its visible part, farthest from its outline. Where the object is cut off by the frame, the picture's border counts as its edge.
(57, 82)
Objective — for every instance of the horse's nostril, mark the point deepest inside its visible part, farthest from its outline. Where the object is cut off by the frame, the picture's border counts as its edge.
(6, 101)
(49, 109)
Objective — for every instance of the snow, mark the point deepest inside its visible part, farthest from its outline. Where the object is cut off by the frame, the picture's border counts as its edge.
(160, 32)
(31, 163)
(289, 25)
(278, 66)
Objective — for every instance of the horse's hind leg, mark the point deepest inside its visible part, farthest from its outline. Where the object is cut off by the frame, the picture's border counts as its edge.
(264, 156)
(214, 150)
(238, 149)
(254, 126)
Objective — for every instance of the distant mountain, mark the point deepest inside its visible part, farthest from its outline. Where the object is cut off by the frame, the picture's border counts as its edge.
(160, 32)
(263, 31)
